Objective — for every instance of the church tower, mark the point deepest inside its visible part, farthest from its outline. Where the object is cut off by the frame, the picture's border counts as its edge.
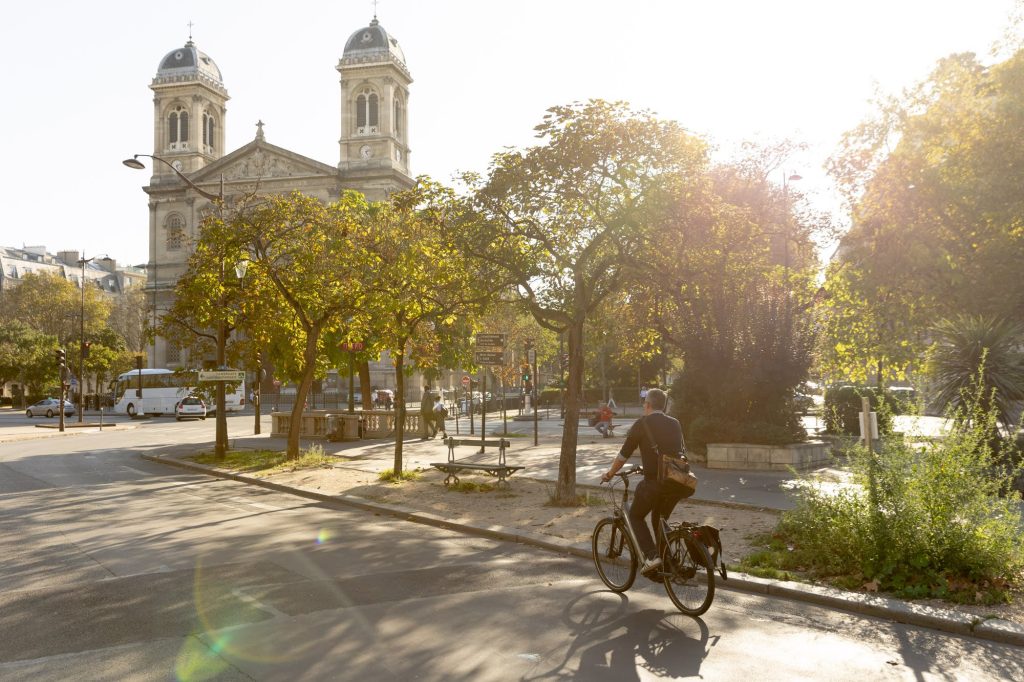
(374, 113)
(188, 111)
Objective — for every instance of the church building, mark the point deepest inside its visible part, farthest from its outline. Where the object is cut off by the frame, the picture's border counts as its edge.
(189, 124)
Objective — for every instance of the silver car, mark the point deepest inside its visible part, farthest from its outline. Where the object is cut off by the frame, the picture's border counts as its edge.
(50, 407)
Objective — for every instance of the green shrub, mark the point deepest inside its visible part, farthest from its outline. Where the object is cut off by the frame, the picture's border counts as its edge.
(920, 522)
(843, 407)
(705, 429)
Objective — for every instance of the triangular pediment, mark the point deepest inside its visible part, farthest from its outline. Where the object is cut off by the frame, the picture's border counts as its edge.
(258, 161)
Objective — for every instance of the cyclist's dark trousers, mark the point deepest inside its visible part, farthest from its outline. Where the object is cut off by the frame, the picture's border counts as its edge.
(648, 499)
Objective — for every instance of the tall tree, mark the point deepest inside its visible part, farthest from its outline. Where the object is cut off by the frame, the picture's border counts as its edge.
(52, 305)
(933, 180)
(308, 278)
(568, 219)
(419, 283)
(26, 356)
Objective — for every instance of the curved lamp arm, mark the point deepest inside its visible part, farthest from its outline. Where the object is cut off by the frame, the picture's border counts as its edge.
(138, 165)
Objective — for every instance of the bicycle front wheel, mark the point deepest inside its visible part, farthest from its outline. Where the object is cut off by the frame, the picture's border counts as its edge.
(614, 555)
(689, 576)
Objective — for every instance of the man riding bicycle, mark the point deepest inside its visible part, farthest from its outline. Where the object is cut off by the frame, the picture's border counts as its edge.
(651, 497)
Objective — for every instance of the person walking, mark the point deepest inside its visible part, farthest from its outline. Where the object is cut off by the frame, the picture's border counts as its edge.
(440, 414)
(651, 497)
(427, 415)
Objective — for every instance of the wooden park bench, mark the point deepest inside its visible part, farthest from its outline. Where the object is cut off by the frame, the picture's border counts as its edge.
(476, 462)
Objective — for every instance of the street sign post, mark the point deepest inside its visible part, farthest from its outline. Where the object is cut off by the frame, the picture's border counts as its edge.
(465, 381)
(352, 346)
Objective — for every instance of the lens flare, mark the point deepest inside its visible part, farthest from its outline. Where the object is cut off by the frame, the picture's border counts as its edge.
(323, 536)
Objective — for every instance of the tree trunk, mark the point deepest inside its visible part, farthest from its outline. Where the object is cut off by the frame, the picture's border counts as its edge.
(309, 363)
(565, 490)
(399, 409)
(365, 385)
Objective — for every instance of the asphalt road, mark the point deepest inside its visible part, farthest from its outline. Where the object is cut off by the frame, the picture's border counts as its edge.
(115, 568)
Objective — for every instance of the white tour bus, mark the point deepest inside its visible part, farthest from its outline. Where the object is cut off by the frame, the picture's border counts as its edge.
(163, 388)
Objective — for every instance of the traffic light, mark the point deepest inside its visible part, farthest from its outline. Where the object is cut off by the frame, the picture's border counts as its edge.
(526, 373)
(62, 358)
(85, 348)
(259, 358)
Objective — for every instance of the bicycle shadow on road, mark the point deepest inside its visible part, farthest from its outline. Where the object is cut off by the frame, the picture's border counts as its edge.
(612, 643)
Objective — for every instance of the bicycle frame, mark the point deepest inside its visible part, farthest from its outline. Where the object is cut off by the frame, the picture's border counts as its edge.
(622, 513)
(661, 531)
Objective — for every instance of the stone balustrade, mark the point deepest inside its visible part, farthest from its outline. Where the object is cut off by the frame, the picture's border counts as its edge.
(316, 424)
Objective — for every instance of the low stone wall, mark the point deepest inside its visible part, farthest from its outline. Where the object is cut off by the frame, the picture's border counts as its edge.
(799, 456)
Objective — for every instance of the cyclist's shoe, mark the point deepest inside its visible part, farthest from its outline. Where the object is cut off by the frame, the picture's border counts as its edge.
(650, 565)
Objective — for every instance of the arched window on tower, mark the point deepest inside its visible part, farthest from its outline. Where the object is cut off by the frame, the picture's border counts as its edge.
(398, 119)
(373, 111)
(175, 229)
(207, 133)
(366, 112)
(360, 113)
(177, 133)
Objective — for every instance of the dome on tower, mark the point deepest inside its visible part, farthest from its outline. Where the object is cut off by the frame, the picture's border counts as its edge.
(187, 63)
(372, 44)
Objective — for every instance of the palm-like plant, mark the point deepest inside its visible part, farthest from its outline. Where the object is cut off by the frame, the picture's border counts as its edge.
(972, 349)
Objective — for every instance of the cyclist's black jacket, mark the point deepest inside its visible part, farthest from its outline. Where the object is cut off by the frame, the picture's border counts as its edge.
(666, 431)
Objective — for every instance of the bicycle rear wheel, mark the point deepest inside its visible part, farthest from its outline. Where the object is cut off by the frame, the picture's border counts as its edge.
(614, 555)
(689, 576)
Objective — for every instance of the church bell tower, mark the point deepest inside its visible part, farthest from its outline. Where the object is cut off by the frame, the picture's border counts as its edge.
(374, 111)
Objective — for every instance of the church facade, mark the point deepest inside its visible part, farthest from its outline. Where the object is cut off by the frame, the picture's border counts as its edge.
(189, 124)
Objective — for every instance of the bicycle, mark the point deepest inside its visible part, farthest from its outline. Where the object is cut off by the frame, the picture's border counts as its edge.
(687, 571)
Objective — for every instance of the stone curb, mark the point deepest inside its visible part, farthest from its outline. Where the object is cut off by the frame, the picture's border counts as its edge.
(993, 629)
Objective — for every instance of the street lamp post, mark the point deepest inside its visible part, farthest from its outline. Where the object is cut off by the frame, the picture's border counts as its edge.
(82, 347)
(221, 438)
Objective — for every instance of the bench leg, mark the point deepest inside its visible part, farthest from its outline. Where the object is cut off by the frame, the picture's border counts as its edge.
(451, 478)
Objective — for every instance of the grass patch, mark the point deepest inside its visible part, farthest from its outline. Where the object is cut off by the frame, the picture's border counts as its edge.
(265, 462)
(389, 476)
(471, 487)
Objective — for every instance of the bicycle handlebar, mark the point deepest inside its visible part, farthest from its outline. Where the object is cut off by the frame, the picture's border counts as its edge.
(625, 472)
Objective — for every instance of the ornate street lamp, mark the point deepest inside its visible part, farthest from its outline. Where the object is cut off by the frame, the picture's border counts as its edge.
(221, 439)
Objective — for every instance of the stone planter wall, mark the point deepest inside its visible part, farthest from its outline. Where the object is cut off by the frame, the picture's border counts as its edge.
(799, 456)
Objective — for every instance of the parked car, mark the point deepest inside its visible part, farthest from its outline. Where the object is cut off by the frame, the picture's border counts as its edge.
(49, 407)
(190, 407)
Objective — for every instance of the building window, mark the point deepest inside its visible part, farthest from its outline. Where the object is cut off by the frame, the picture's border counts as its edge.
(207, 132)
(177, 128)
(173, 354)
(175, 226)
(366, 112)
(398, 119)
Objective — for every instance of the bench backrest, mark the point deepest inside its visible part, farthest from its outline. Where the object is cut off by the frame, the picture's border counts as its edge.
(501, 444)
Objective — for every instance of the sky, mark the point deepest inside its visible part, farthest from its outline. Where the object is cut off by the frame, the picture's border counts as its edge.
(78, 100)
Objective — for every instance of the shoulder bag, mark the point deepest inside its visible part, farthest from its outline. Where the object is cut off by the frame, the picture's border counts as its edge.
(673, 470)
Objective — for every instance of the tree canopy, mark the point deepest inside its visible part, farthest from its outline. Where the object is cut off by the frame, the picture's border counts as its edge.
(567, 220)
